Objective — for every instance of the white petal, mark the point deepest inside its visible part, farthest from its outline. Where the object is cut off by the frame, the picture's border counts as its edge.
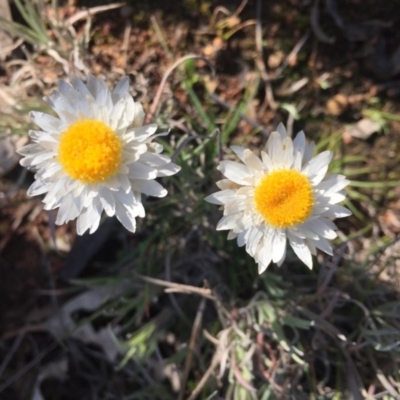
(297, 161)
(99, 91)
(274, 146)
(149, 187)
(234, 171)
(311, 247)
(308, 152)
(58, 188)
(124, 182)
(278, 246)
(139, 209)
(236, 206)
(241, 238)
(287, 153)
(117, 119)
(264, 258)
(138, 170)
(154, 160)
(45, 139)
(335, 198)
(107, 200)
(323, 227)
(252, 161)
(89, 218)
(132, 154)
(126, 217)
(80, 86)
(304, 231)
(269, 165)
(338, 211)
(228, 222)
(253, 240)
(226, 184)
(36, 158)
(156, 148)
(262, 267)
(232, 235)
(127, 117)
(30, 149)
(239, 151)
(248, 157)
(282, 130)
(322, 244)
(299, 143)
(301, 249)
(47, 122)
(317, 167)
(333, 184)
(140, 134)
(50, 171)
(138, 114)
(38, 187)
(280, 262)
(168, 170)
(221, 197)
(74, 98)
(121, 89)
(95, 215)
(67, 211)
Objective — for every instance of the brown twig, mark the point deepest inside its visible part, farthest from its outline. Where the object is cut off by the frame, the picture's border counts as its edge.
(240, 8)
(192, 344)
(177, 287)
(239, 377)
(268, 374)
(91, 11)
(215, 361)
(160, 89)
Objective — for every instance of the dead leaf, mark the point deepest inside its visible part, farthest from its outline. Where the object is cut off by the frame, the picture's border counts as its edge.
(62, 323)
(212, 48)
(363, 129)
(390, 219)
(210, 84)
(337, 104)
(275, 59)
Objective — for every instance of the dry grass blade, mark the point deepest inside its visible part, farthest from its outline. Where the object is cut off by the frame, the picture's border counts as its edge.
(291, 56)
(160, 89)
(91, 11)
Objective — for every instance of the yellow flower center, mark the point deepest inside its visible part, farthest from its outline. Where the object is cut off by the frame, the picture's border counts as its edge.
(284, 198)
(90, 151)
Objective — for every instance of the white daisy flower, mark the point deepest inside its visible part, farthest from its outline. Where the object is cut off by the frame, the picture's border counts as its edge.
(95, 155)
(284, 196)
